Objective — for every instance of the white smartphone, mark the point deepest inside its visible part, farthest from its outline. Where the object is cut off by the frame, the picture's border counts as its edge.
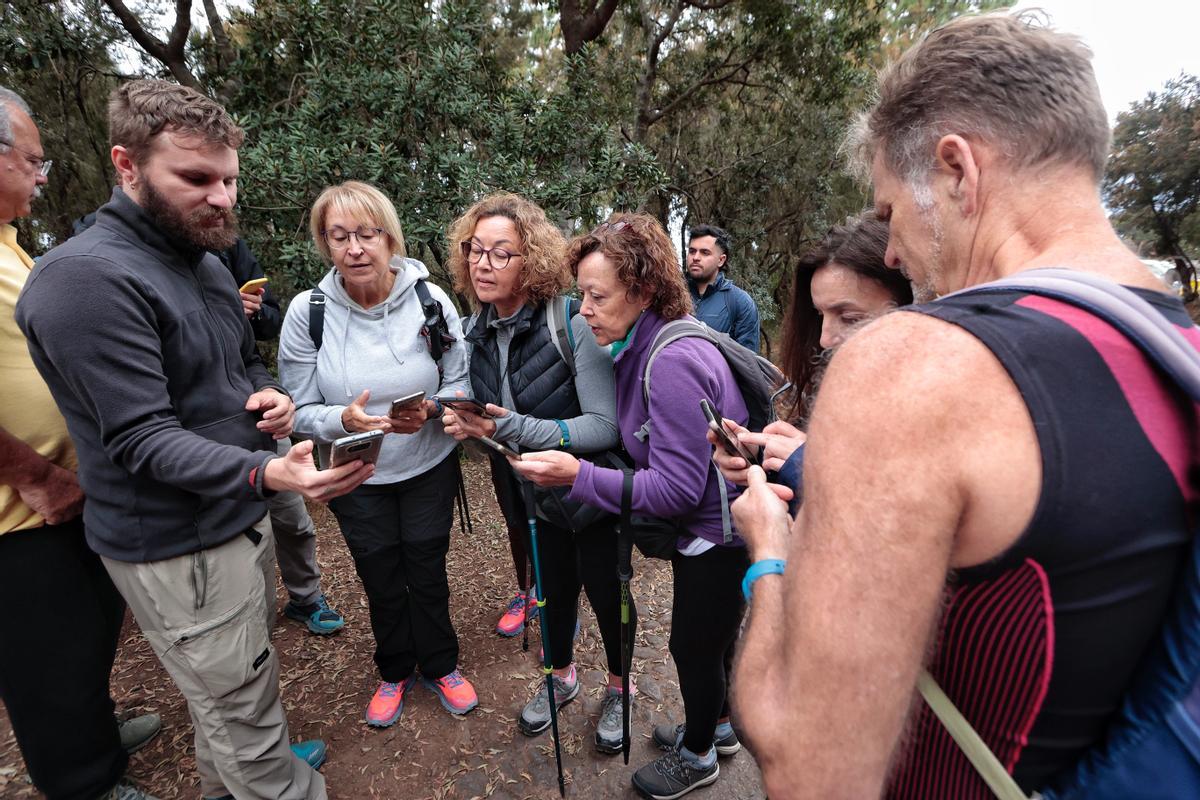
(362, 447)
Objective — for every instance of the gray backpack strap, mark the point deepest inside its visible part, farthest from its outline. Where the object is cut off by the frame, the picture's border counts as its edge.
(1122, 308)
(673, 331)
(559, 322)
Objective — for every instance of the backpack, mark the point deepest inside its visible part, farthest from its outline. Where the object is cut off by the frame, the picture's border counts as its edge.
(435, 328)
(758, 380)
(559, 312)
(1152, 746)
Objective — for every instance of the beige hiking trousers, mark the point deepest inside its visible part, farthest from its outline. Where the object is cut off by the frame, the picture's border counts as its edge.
(208, 616)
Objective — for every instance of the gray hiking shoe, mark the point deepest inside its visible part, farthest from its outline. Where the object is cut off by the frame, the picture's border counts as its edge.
(671, 776)
(668, 736)
(126, 791)
(535, 717)
(609, 735)
(136, 733)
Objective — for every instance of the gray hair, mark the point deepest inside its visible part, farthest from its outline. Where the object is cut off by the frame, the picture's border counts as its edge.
(9, 98)
(1006, 79)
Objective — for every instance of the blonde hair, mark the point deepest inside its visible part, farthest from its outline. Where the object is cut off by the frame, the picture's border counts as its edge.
(544, 272)
(361, 201)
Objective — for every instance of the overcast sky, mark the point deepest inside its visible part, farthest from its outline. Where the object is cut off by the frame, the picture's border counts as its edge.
(1139, 45)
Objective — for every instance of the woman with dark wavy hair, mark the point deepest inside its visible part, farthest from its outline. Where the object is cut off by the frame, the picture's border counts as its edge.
(839, 284)
(629, 278)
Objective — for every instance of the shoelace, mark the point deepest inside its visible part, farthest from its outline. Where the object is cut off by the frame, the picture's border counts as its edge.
(453, 680)
(514, 605)
(672, 765)
(611, 707)
(389, 689)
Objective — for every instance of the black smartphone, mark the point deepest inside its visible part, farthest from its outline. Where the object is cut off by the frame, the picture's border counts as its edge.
(406, 403)
(362, 447)
(503, 449)
(717, 424)
(464, 404)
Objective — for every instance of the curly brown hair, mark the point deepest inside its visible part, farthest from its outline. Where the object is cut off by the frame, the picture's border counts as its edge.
(543, 272)
(646, 262)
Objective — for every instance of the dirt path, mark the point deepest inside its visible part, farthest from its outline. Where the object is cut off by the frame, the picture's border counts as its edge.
(429, 753)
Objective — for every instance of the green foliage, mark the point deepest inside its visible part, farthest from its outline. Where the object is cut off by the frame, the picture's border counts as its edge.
(57, 56)
(1153, 179)
(402, 96)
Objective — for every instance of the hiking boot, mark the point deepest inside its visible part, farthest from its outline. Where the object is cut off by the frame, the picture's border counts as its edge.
(520, 608)
(311, 752)
(671, 775)
(136, 733)
(609, 734)
(387, 703)
(318, 617)
(668, 736)
(126, 791)
(535, 716)
(456, 692)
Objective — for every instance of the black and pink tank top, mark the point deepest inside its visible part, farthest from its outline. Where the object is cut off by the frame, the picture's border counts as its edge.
(1037, 647)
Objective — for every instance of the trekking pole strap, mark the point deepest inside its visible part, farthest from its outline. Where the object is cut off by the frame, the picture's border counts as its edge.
(973, 747)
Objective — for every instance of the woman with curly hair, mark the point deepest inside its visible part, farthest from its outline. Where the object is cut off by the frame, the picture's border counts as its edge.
(546, 383)
(629, 278)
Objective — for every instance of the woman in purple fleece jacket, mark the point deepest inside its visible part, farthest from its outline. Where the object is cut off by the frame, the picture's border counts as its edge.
(631, 285)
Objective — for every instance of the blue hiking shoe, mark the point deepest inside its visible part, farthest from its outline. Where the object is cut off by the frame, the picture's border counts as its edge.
(318, 617)
(311, 752)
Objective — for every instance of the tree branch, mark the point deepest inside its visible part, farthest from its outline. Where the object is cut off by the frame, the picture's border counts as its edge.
(580, 27)
(217, 28)
(169, 53)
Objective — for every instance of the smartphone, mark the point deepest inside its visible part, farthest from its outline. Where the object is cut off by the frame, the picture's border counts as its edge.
(362, 447)
(503, 449)
(717, 424)
(253, 285)
(464, 404)
(409, 401)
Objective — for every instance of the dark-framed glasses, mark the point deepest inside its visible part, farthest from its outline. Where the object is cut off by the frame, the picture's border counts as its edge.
(497, 257)
(40, 165)
(339, 238)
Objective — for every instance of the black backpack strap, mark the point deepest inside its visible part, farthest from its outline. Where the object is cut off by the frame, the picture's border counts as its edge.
(316, 317)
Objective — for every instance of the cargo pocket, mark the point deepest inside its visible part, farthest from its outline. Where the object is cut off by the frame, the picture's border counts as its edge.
(229, 651)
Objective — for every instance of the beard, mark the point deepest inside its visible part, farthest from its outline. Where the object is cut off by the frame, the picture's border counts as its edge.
(193, 229)
(925, 287)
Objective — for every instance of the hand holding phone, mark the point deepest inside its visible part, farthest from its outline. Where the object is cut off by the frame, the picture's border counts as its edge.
(409, 402)
(716, 424)
(253, 285)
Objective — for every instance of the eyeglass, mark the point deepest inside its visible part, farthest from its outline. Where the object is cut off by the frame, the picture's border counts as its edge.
(41, 165)
(497, 257)
(613, 227)
(339, 238)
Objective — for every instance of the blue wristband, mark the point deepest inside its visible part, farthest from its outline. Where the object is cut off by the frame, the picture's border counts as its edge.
(564, 441)
(768, 566)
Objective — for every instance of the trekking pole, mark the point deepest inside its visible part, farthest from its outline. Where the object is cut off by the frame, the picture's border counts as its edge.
(464, 507)
(525, 612)
(527, 489)
(624, 575)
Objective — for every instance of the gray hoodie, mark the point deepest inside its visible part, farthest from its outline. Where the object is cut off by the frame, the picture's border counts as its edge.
(380, 349)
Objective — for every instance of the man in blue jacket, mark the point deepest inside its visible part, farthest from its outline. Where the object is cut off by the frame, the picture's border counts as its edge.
(719, 303)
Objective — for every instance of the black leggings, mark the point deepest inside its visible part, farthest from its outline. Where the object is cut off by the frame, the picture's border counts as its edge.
(705, 616)
(570, 561)
(399, 535)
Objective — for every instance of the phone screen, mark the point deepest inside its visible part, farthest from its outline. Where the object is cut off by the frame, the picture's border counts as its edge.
(716, 423)
(500, 448)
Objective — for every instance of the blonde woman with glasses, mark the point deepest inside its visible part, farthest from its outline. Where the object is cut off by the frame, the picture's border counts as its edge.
(347, 350)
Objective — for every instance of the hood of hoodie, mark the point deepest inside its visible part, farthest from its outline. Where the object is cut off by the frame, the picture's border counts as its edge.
(407, 271)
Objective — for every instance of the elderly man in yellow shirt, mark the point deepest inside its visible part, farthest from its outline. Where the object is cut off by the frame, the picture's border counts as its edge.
(55, 657)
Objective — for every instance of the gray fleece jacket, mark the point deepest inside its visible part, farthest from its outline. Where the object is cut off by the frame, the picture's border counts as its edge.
(380, 349)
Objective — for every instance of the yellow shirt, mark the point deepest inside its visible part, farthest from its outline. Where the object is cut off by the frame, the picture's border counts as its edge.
(27, 411)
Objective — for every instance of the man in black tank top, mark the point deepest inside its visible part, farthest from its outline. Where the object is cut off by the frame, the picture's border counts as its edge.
(995, 489)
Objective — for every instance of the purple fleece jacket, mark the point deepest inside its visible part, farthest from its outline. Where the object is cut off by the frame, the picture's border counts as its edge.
(674, 477)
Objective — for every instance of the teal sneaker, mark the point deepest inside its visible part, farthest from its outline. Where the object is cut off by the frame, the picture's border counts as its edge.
(318, 617)
(311, 752)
